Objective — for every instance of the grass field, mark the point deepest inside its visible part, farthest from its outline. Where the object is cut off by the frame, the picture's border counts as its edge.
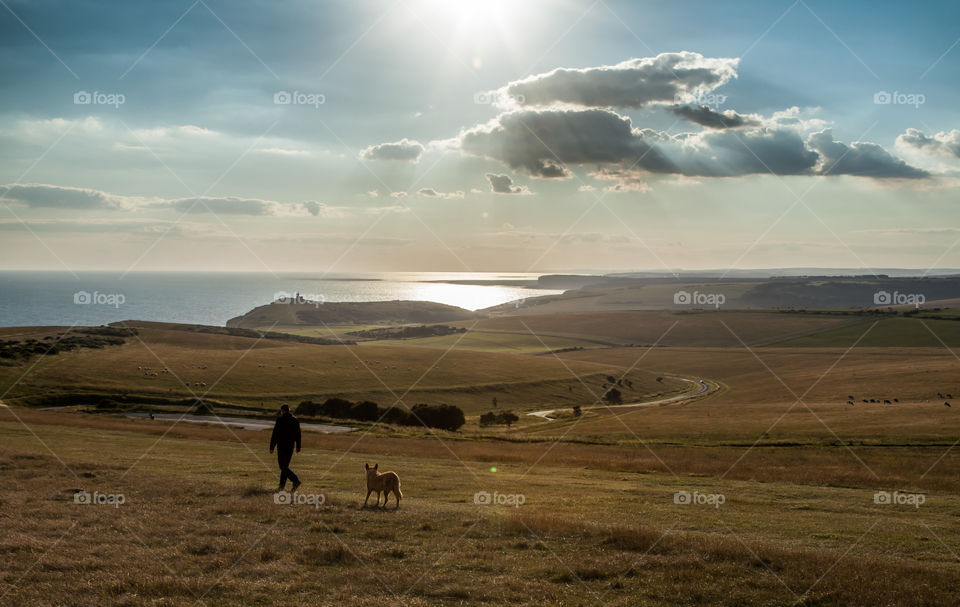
(668, 328)
(250, 372)
(787, 481)
(888, 332)
(198, 521)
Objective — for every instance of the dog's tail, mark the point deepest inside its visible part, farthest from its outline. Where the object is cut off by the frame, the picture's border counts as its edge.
(399, 493)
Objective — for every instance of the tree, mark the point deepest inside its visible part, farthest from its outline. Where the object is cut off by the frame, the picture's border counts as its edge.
(613, 396)
(576, 411)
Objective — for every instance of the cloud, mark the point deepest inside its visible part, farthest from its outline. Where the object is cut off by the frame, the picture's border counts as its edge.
(944, 143)
(65, 197)
(710, 118)
(503, 184)
(860, 158)
(634, 83)
(405, 149)
(40, 195)
(545, 143)
(432, 193)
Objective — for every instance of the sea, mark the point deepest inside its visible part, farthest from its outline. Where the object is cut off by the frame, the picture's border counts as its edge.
(31, 298)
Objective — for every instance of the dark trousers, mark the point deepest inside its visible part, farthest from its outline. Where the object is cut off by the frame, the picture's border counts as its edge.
(283, 458)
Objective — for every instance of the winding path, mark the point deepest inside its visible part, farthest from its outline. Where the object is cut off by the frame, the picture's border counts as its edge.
(702, 388)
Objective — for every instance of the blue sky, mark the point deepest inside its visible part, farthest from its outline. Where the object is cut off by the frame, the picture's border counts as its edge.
(439, 135)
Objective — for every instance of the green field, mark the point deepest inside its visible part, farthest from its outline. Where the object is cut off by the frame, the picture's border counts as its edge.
(888, 332)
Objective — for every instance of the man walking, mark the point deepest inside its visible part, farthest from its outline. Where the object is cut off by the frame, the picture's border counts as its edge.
(286, 436)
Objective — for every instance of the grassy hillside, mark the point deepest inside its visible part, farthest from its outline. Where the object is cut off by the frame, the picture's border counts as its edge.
(198, 523)
(340, 313)
(250, 372)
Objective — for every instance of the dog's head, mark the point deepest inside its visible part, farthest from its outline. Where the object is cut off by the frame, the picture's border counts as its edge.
(369, 469)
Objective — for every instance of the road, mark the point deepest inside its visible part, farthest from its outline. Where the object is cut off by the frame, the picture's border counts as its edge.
(239, 422)
(702, 388)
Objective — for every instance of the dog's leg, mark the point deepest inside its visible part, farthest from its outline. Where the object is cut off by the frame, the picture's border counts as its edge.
(369, 491)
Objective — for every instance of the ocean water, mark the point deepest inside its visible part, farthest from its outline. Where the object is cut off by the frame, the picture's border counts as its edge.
(94, 298)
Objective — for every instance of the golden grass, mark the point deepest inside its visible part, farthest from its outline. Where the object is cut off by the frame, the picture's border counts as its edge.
(197, 523)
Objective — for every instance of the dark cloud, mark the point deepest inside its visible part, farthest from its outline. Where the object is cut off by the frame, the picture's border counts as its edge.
(405, 149)
(944, 143)
(543, 143)
(704, 115)
(63, 197)
(503, 184)
(861, 158)
(635, 83)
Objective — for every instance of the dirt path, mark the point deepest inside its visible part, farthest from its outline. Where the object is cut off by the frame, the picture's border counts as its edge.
(702, 388)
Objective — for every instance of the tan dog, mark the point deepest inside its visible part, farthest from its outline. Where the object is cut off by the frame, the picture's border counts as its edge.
(382, 483)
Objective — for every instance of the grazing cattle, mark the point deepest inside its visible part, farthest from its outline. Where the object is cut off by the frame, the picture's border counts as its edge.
(939, 394)
(946, 404)
(886, 401)
(949, 395)
(849, 402)
(896, 400)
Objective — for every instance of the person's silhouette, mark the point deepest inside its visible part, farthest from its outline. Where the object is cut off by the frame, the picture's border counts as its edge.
(286, 436)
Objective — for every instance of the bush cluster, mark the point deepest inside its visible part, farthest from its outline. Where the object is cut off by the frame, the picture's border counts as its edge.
(445, 417)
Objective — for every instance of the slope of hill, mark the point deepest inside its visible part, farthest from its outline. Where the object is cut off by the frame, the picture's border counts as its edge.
(343, 313)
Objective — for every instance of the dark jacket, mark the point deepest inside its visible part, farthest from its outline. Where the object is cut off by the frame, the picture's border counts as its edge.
(286, 432)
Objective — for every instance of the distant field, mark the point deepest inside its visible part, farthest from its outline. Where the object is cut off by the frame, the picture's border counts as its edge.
(485, 341)
(246, 371)
(760, 387)
(889, 332)
(669, 328)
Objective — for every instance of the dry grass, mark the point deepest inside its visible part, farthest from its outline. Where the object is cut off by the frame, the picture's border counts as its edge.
(197, 523)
